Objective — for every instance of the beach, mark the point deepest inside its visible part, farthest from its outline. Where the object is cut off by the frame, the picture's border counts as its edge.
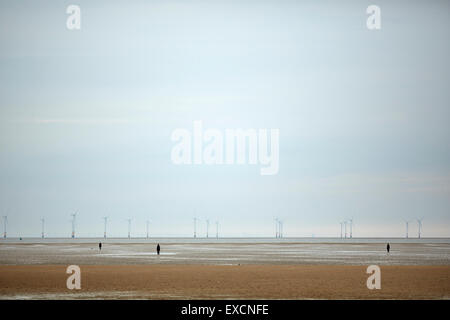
(208, 270)
(224, 282)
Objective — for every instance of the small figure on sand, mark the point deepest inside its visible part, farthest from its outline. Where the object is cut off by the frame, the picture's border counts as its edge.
(100, 246)
(388, 247)
(158, 249)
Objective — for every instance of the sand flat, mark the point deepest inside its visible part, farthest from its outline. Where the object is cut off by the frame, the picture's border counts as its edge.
(258, 270)
(224, 282)
(225, 253)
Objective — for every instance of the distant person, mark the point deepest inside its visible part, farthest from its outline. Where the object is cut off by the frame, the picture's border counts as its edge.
(158, 249)
(388, 247)
(100, 246)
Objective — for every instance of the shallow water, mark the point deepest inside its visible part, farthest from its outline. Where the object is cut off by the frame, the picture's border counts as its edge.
(223, 252)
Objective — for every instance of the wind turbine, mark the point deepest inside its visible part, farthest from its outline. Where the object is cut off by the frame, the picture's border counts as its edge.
(345, 228)
(195, 227)
(129, 228)
(419, 221)
(42, 233)
(147, 223)
(207, 228)
(277, 225)
(351, 228)
(5, 222)
(104, 231)
(280, 227)
(341, 228)
(73, 224)
(407, 227)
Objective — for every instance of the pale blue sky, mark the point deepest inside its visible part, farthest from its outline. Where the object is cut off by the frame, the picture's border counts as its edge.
(86, 116)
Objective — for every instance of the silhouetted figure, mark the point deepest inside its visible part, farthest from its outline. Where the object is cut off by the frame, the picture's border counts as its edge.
(388, 247)
(158, 249)
(100, 246)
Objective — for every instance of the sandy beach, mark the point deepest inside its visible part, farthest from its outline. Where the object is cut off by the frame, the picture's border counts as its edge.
(208, 270)
(224, 282)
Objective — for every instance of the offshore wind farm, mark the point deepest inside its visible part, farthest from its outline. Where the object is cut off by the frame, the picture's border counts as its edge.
(346, 230)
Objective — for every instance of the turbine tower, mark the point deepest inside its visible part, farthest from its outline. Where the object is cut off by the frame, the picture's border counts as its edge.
(42, 233)
(345, 229)
(195, 227)
(351, 228)
(147, 223)
(341, 228)
(217, 229)
(419, 221)
(207, 228)
(129, 228)
(280, 229)
(104, 231)
(73, 224)
(5, 222)
(407, 227)
(276, 228)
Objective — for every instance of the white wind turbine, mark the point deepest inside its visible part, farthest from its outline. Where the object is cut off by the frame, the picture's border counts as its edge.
(74, 215)
(147, 224)
(195, 227)
(42, 233)
(105, 220)
(407, 228)
(351, 228)
(129, 228)
(5, 222)
(276, 227)
(345, 229)
(280, 228)
(419, 222)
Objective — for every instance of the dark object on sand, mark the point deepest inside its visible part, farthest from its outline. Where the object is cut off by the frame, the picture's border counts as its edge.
(388, 247)
(158, 249)
(100, 246)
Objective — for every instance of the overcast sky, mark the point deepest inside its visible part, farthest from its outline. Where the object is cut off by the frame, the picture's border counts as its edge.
(86, 116)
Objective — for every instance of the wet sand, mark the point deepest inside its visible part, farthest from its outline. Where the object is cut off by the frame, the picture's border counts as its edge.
(126, 270)
(224, 282)
(126, 253)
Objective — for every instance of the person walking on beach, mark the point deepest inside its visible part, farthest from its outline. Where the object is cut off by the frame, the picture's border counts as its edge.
(100, 246)
(158, 249)
(388, 247)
